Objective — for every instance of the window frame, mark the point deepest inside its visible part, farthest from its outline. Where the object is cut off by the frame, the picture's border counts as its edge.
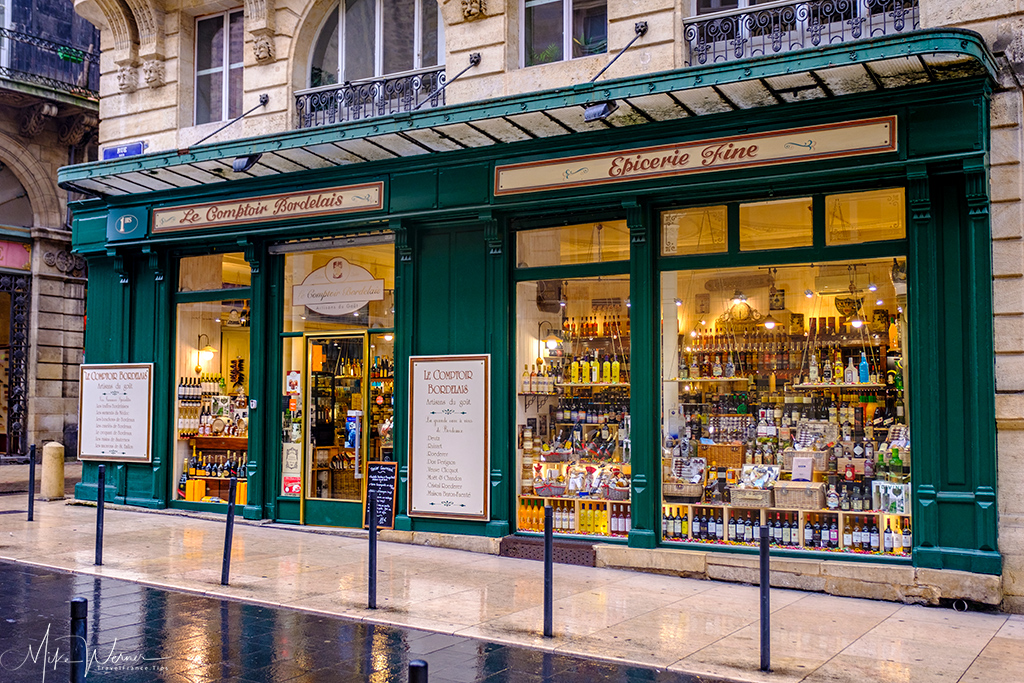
(567, 8)
(226, 67)
(378, 45)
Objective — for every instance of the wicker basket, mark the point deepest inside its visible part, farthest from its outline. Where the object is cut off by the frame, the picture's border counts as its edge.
(800, 495)
(549, 490)
(690, 493)
(614, 493)
(820, 459)
(750, 498)
(722, 455)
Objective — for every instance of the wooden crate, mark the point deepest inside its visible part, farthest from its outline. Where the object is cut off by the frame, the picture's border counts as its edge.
(751, 498)
(800, 495)
(689, 493)
(722, 455)
(820, 459)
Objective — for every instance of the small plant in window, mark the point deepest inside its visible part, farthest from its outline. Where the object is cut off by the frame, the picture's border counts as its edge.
(552, 53)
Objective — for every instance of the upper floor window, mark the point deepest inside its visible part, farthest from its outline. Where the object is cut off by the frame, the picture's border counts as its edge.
(554, 30)
(368, 38)
(219, 55)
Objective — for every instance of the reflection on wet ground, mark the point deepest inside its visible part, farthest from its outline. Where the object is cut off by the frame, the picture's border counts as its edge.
(142, 634)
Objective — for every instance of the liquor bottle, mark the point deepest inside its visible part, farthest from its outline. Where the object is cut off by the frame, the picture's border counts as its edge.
(786, 531)
(525, 384)
(730, 367)
(837, 368)
(833, 533)
(863, 368)
(844, 501)
(574, 371)
(606, 371)
(595, 370)
(684, 528)
(720, 527)
(777, 529)
(712, 527)
(826, 371)
(907, 537)
(847, 535)
(832, 498)
(664, 523)
(816, 534)
(850, 376)
(732, 528)
(716, 369)
(585, 369)
(571, 524)
(675, 528)
(812, 369)
(875, 541)
(887, 539)
(748, 530)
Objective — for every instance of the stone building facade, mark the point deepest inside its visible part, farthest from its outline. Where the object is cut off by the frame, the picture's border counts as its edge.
(148, 94)
(48, 118)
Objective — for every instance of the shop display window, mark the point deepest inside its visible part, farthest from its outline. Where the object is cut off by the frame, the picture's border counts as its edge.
(776, 224)
(572, 412)
(784, 404)
(212, 406)
(865, 217)
(700, 230)
(573, 244)
(213, 271)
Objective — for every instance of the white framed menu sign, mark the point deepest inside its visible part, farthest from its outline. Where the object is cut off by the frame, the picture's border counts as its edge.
(449, 436)
(115, 412)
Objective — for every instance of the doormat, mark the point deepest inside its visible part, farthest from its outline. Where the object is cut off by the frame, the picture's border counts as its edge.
(580, 553)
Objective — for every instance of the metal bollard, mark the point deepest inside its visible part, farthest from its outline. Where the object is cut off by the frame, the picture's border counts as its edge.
(79, 628)
(549, 580)
(101, 492)
(229, 532)
(371, 584)
(766, 629)
(31, 482)
(417, 671)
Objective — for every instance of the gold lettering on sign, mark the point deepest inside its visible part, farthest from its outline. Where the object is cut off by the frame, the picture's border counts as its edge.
(811, 143)
(335, 200)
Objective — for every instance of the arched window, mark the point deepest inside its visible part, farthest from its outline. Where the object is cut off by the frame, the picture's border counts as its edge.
(364, 39)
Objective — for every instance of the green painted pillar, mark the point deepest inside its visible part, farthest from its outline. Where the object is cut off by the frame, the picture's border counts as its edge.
(645, 415)
(260, 386)
(496, 322)
(404, 325)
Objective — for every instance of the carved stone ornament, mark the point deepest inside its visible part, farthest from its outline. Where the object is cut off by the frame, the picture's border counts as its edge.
(473, 9)
(77, 129)
(65, 262)
(263, 48)
(153, 71)
(35, 117)
(127, 78)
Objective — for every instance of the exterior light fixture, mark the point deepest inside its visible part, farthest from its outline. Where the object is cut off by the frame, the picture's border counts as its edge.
(598, 111)
(243, 164)
(204, 353)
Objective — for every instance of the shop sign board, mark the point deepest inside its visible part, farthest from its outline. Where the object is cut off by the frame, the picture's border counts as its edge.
(275, 207)
(381, 479)
(116, 412)
(338, 288)
(449, 436)
(810, 143)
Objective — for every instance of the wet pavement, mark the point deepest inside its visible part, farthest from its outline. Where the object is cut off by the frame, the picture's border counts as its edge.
(141, 634)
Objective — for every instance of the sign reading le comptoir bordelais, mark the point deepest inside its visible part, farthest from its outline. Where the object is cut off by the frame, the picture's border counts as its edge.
(449, 436)
(338, 288)
(115, 412)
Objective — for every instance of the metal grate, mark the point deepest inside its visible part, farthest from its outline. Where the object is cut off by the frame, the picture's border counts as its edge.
(579, 553)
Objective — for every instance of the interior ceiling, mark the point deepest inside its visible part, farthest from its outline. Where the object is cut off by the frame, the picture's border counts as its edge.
(819, 74)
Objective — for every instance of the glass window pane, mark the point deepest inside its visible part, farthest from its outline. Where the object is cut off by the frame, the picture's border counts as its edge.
(429, 30)
(709, 6)
(236, 31)
(293, 391)
(589, 27)
(212, 401)
(764, 366)
(543, 24)
(360, 39)
(369, 269)
(212, 272)
(324, 62)
(210, 43)
(235, 92)
(584, 243)
(209, 98)
(572, 404)
(700, 230)
(399, 35)
(865, 217)
(776, 224)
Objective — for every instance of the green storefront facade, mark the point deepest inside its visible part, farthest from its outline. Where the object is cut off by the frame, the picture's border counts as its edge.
(454, 233)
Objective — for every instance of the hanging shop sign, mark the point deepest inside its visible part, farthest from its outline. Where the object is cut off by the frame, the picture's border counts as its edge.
(338, 288)
(449, 436)
(275, 207)
(811, 143)
(115, 412)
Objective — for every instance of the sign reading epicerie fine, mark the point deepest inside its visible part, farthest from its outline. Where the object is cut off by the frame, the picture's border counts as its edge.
(449, 436)
(812, 143)
(115, 412)
(334, 200)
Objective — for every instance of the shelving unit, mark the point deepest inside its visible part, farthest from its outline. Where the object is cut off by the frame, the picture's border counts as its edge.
(531, 511)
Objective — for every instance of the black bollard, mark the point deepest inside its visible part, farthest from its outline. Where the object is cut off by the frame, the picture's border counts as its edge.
(79, 627)
(417, 671)
(101, 492)
(371, 584)
(549, 579)
(31, 482)
(766, 629)
(229, 532)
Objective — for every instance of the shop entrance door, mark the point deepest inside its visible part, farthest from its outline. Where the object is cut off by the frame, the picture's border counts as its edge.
(335, 444)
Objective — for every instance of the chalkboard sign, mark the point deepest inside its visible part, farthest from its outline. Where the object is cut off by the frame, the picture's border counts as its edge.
(381, 478)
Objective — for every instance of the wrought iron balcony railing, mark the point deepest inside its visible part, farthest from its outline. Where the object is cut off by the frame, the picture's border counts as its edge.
(785, 27)
(36, 61)
(366, 99)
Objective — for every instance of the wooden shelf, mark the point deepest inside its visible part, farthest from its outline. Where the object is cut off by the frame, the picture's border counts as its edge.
(596, 385)
(232, 443)
(208, 478)
(812, 387)
(708, 380)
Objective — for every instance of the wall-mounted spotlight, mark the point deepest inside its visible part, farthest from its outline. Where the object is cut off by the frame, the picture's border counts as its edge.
(243, 164)
(600, 111)
(809, 294)
(679, 302)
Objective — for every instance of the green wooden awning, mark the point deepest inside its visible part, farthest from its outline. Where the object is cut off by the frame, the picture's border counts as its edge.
(876, 65)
